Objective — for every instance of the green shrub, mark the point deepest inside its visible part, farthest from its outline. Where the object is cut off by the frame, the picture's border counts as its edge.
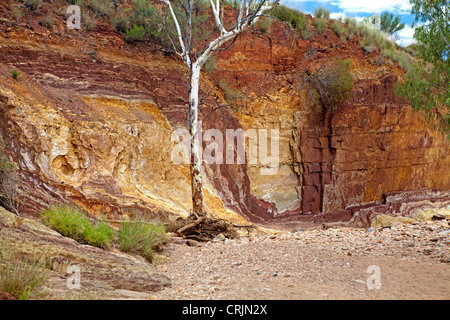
(20, 278)
(147, 23)
(79, 3)
(368, 42)
(16, 12)
(367, 45)
(338, 28)
(402, 59)
(9, 182)
(231, 94)
(264, 24)
(322, 13)
(99, 235)
(294, 17)
(352, 31)
(121, 21)
(283, 13)
(135, 33)
(372, 38)
(366, 32)
(350, 21)
(378, 60)
(101, 7)
(346, 32)
(307, 32)
(320, 24)
(15, 74)
(72, 223)
(412, 49)
(88, 22)
(33, 5)
(48, 22)
(141, 237)
(341, 31)
(332, 83)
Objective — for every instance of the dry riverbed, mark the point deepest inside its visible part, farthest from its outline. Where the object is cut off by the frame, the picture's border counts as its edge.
(404, 261)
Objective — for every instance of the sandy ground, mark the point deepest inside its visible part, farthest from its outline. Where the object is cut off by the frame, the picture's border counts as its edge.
(401, 262)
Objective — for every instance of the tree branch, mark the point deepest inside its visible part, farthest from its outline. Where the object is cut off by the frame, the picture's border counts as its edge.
(217, 108)
(430, 17)
(184, 54)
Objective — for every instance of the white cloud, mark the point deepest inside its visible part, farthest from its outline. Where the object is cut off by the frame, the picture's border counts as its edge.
(405, 36)
(358, 9)
(377, 6)
(368, 6)
(337, 15)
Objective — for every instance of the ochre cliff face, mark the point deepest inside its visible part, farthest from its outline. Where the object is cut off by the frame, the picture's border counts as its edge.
(370, 149)
(374, 144)
(102, 141)
(91, 120)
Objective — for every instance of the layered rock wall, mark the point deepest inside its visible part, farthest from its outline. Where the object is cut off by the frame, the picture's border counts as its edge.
(91, 119)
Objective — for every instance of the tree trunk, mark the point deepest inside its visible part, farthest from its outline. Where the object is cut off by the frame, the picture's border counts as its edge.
(198, 203)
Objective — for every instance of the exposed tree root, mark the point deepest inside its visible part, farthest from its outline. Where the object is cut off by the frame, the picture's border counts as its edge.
(206, 228)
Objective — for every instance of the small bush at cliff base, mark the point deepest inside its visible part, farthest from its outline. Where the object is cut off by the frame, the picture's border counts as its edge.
(141, 237)
(9, 182)
(20, 278)
(72, 223)
(333, 83)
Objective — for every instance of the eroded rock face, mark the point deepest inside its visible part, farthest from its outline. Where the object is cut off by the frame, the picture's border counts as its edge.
(104, 146)
(91, 121)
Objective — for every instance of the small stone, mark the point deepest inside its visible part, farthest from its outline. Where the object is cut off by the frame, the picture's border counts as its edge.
(220, 237)
(438, 216)
(297, 230)
(274, 274)
(259, 272)
(191, 243)
(371, 229)
(360, 281)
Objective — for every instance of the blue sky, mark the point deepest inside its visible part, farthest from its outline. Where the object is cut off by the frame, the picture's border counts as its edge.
(359, 9)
